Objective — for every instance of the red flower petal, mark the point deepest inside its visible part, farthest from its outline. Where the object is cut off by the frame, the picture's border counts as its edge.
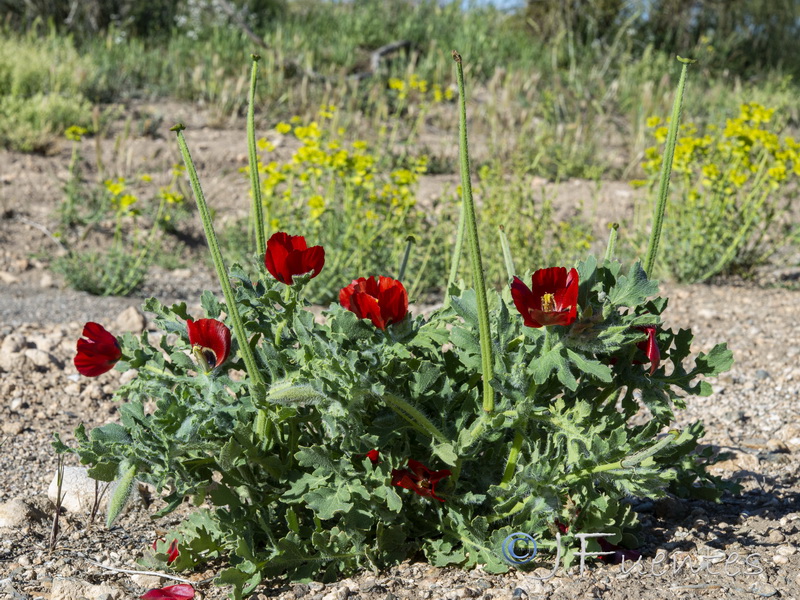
(98, 352)
(551, 300)
(288, 255)
(650, 347)
(213, 335)
(382, 301)
(172, 552)
(367, 307)
(420, 480)
(182, 591)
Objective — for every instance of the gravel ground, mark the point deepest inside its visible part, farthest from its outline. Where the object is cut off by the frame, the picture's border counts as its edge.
(753, 414)
(745, 547)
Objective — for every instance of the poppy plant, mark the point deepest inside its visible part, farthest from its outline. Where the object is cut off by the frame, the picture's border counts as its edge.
(551, 300)
(98, 351)
(382, 301)
(374, 456)
(650, 347)
(182, 591)
(420, 479)
(172, 552)
(210, 340)
(288, 255)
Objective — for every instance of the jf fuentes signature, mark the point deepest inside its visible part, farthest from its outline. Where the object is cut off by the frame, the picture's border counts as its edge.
(521, 548)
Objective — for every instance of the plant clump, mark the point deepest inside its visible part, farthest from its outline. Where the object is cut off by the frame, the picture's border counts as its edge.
(314, 447)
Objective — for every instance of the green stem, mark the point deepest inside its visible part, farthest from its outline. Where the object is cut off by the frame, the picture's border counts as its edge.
(471, 227)
(219, 265)
(666, 170)
(612, 242)
(513, 456)
(404, 263)
(456, 258)
(255, 184)
(419, 421)
(507, 258)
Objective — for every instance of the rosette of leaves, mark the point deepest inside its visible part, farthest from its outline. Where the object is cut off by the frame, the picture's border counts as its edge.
(579, 425)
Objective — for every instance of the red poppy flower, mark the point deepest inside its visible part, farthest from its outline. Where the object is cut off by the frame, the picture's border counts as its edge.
(420, 479)
(287, 256)
(210, 340)
(172, 551)
(650, 347)
(382, 301)
(98, 352)
(374, 456)
(182, 591)
(551, 300)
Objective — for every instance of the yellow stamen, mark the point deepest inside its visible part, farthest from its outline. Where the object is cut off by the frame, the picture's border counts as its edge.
(548, 303)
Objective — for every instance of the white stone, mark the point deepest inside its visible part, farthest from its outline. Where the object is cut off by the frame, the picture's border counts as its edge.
(76, 589)
(16, 362)
(16, 513)
(78, 490)
(148, 582)
(7, 277)
(12, 343)
(131, 320)
(40, 358)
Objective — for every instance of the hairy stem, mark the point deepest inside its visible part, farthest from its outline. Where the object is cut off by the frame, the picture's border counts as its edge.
(666, 171)
(471, 228)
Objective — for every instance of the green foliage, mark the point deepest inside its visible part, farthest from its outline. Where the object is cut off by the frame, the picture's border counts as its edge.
(338, 194)
(40, 92)
(112, 272)
(304, 501)
(732, 192)
(121, 267)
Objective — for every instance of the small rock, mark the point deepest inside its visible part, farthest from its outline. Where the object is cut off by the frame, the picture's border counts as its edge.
(78, 490)
(130, 319)
(8, 278)
(780, 559)
(40, 358)
(741, 461)
(763, 374)
(75, 589)
(670, 508)
(13, 427)
(777, 446)
(338, 594)
(148, 582)
(47, 281)
(14, 342)
(316, 586)
(128, 376)
(786, 550)
(16, 362)
(18, 513)
(776, 537)
(43, 343)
